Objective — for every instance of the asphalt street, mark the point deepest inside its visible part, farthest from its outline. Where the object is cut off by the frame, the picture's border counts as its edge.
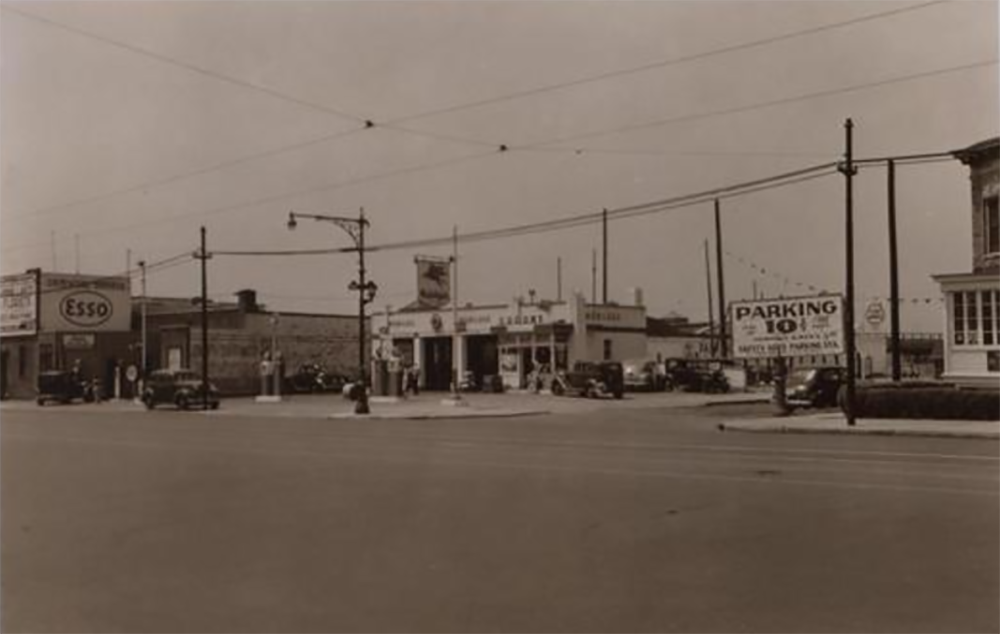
(631, 520)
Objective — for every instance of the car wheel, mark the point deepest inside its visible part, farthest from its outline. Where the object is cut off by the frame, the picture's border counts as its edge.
(148, 402)
(557, 388)
(182, 402)
(40, 401)
(214, 405)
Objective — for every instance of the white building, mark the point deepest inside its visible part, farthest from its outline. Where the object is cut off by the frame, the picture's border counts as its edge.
(509, 340)
(972, 300)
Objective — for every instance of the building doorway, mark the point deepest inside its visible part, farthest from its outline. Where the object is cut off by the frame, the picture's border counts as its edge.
(482, 358)
(437, 363)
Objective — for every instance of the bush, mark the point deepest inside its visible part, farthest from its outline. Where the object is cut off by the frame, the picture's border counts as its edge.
(921, 400)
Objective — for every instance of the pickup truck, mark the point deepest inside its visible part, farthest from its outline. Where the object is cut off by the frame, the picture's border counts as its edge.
(592, 379)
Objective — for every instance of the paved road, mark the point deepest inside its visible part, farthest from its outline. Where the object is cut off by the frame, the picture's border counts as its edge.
(640, 520)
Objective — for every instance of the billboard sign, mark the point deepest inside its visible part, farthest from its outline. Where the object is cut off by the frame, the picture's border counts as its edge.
(791, 327)
(433, 282)
(85, 303)
(18, 305)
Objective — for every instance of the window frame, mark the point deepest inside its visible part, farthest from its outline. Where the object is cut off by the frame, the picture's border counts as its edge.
(991, 210)
(963, 313)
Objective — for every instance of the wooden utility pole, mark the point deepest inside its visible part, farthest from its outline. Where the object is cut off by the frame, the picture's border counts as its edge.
(897, 370)
(708, 286)
(203, 256)
(604, 274)
(722, 287)
(848, 169)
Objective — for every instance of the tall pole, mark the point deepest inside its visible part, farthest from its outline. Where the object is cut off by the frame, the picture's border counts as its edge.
(142, 307)
(708, 285)
(455, 351)
(593, 276)
(204, 321)
(721, 283)
(361, 407)
(76, 249)
(52, 239)
(897, 370)
(847, 168)
(604, 273)
(558, 279)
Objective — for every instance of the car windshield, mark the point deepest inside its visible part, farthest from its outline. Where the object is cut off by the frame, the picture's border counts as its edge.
(187, 376)
(798, 377)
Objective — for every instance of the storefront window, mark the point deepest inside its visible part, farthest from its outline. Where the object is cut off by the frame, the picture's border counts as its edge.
(975, 318)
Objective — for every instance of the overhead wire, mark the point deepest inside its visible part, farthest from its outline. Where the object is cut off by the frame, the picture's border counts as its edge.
(393, 124)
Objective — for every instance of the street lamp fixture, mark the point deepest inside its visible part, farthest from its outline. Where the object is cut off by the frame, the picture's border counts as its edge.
(354, 227)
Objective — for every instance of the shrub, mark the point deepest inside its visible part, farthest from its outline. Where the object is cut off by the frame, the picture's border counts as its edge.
(924, 401)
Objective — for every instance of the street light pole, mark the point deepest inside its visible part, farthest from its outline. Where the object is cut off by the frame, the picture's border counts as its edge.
(354, 227)
(848, 169)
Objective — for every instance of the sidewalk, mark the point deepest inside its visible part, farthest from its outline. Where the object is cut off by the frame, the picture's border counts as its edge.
(430, 405)
(836, 423)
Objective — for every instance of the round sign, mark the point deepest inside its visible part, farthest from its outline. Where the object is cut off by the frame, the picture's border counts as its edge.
(86, 308)
(132, 373)
(875, 314)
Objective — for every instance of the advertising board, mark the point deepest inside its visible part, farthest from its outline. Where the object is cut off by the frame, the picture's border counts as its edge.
(433, 282)
(85, 303)
(789, 327)
(18, 305)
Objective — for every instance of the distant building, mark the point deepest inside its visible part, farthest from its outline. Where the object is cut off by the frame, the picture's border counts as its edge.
(972, 300)
(509, 340)
(53, 321)
(240, 334)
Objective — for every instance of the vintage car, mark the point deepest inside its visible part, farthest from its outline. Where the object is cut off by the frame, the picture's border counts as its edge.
(182, 388)
(63, 387)
(643, 374)
(592, 379)
(312, 377)
(697, 375)
(814, 387)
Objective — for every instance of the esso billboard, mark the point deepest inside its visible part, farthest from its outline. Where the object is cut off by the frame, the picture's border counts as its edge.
(84, 303)
(86, 309)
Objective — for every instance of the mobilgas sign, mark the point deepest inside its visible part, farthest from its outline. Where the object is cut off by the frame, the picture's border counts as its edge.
(799, 326)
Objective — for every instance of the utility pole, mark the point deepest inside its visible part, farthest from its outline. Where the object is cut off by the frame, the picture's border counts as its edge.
(708, 285)
(593, 276)
(848, 170)
(721, 283)
(897, 370)
(203, 256)
(604, 274)
(52, 240)
(142, 308)
(76, 248)
(456, 351)
(558, 279)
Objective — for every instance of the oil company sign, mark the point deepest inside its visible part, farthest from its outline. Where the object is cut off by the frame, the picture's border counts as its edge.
(18, 305)
(82, 303)
(792, 327)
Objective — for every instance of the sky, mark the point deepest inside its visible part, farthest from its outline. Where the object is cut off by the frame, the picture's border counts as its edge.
(125, 126)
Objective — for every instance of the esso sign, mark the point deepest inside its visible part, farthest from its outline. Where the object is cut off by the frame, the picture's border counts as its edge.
(86, 308)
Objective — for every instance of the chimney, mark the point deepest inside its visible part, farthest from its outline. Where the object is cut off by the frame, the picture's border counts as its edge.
(247, 300)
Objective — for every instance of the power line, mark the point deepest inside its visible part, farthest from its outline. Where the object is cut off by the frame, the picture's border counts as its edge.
(578, 220)
(164, 59)
(393, 124)
(664, 63)
(757, 106)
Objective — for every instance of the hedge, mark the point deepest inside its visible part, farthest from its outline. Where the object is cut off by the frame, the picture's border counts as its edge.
(925, 401)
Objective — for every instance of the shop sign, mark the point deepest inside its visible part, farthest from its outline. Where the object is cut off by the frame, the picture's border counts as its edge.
(19, 305)
(85, 303)
(875, 314)
(78, 341)
(788, 327)
(621, 316)
(433, 282)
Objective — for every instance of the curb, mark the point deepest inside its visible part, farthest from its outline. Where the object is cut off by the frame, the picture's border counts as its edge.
(848, 431)
(743, 401)
(439, 416)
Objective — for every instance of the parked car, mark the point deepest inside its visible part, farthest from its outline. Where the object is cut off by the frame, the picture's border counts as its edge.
(643, 374)
(697, 375)
(183, 388)
(814, 387)
(312, 377)
(592, 379)
(64, 387)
